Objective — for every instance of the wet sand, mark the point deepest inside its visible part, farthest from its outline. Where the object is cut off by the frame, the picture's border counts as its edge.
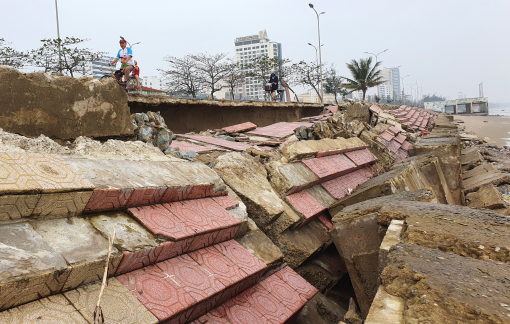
(496, 127)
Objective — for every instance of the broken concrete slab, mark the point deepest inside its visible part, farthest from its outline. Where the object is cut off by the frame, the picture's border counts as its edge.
(446, 288)
(407, 178)
(82, 246)
(471, 159)
(486, 197)
(431, 168)
(386, 309)
(304, 149)
(30, 268)
(287, 178)
(479, 170)
(300, 244)
(447, 149)
(248, 178)
(240, 127)
(321, 310)
(475, 182)
(258, 244)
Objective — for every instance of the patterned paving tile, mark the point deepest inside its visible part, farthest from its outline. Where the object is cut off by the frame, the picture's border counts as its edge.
(297, 282)
(145, 196)
(339, 187)
(239, 311)
(17, 206)
(185, 147)
(159, 292)
(325, 220)
(394, 130)
(220, 218)
(406, 145)
(305, 204)
(241, 257)
(282, 291)
(53, 309)
(138, 259)
(266, 304)
(216, 316)
(226, 234)
(190, 192)
(108, 199)
(226, 202)
(340, 151)
(203, 240)
(387, 136)
(279, 130)
(159, 220)
(193, 216)
(62, 204)
(235, 146)
(240, 127)
(400, 138)
(118, 303)
(320, 167)
(394, 146)
(173, 249)
(361, 157)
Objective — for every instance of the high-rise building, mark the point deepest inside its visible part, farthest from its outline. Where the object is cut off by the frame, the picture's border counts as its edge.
(391, 86)
(97, 69)
(152, 82)
(246, 49)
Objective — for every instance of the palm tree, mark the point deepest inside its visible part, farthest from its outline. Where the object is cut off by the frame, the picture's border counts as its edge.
(363, 76)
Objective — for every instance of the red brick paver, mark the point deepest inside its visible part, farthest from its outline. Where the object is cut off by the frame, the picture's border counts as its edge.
(400, 138)
(240, 127)
(339, 187)
(387, 136)
(361, 157)
(394, 146)
(328, 166)
(279, 130)
(226, 202)
(406, 145)
(297, 282)
(305, 204)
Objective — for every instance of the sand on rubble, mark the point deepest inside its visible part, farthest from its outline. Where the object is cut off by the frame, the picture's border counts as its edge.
(495, 127)
(83, 147)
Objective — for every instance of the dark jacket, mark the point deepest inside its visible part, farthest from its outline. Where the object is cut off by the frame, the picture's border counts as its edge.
(274, 82)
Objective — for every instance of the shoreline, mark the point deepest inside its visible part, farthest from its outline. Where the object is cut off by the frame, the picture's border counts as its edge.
(495, 127)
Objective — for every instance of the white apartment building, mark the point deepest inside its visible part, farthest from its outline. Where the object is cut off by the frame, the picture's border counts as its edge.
(152, 82)
(246, 49)
(391, 85)
(97, 69)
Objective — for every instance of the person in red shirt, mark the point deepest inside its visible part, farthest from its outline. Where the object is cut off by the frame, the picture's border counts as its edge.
(136, 74)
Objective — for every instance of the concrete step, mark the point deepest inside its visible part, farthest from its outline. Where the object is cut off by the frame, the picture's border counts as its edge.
(276, 299)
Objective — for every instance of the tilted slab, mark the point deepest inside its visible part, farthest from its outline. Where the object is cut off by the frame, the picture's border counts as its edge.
(483, 169)
(305, 205)
(475, 182)
(305, 149)
(343, 185)
(234, 146)
(279, 130)
(186, 147)
(240, 127)
(443, 287)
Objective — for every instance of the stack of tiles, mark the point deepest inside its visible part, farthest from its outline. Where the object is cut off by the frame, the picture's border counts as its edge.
(395, 142)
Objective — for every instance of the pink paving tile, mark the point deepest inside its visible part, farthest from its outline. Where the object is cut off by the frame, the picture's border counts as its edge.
(325, 220)
(320, 167)
(159, 220)
(334, 152)
(226, 234)
(218, 266)
(235, 146)
(216, 316)
(239, 311)
(282, 291)
(192, 192)
(173, 249)
(249, 263)
(266, 304)
(279, 130)
(161, 295)
(361, 157)
(139, 259)
(375, 108)
(305, 204)
(297, 282)
(193, 217)
(266, 148)
(219, 216)
(186, 147)
(387, 136)
(394, 130)
(226, 202)
(339, 187)
(108, 199)
(406, 145)
(403, 154)
(400, 138)
(145, 196)
(240, 127)
(394, 146)
(203, 240)
(339, 162)
(332, 108)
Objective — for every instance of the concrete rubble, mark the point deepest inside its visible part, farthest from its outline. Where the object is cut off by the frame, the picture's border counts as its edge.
(352, 213)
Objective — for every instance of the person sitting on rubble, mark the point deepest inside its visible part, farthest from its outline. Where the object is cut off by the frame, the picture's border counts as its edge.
(274, 84)
(125, 55)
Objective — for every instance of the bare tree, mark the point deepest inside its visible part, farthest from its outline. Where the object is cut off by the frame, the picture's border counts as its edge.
(212, 69)
(72, 58)
(10, 56)
(183, 76)
(307, 75)
(333, 83)
(234, 76)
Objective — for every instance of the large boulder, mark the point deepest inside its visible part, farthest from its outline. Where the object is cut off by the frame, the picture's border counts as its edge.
(62, 107)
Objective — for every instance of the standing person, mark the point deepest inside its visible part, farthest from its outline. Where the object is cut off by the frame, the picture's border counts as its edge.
(125, 55)
(274, 84)
(136, 73)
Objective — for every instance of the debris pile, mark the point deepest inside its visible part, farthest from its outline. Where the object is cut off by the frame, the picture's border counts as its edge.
(150, 128)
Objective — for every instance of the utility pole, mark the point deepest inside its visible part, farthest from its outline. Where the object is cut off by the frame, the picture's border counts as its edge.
(58, 34)
(320, 55)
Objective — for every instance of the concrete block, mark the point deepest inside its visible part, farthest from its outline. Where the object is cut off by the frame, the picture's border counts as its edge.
(258, 244)
(303, 149)
(386, 309)
(117, 303)
(322, 196)
(290, 178)
(30, 269)
(486, 197)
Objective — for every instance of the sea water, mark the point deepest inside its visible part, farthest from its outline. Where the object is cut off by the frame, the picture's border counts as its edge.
(501, 111)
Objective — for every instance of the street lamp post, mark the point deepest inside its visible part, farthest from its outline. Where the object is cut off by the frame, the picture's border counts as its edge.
(404, 95)
(320, 55)
(376, 54)
(58, 34)
(316, 48)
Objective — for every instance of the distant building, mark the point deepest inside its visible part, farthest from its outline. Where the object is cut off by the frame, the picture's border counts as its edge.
(246, 49)
(312, 97)
(152, 82)
(479, 106)
(391, 86)
(97, 69)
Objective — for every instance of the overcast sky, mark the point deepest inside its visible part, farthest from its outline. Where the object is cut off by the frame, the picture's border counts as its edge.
(448, 46)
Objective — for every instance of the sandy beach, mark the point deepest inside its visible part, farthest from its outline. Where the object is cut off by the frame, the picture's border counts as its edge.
(496, 127)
